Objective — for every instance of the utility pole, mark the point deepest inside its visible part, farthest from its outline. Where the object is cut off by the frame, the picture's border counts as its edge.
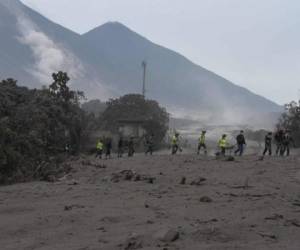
(144, 65)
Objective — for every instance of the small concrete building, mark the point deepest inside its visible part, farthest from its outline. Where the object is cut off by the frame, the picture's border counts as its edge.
(131, 128)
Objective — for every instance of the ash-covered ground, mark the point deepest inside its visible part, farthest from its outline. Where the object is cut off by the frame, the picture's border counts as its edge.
(159, 202)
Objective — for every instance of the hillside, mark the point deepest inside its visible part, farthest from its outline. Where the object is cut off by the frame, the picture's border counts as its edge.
(106, 62)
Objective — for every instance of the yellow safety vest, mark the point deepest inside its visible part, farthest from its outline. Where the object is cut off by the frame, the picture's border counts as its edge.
(202, 139)
(174, 140)
(222, 143)
(99, 145)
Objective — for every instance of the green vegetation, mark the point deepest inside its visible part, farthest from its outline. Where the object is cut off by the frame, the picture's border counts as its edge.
(290, 120)
(39, 129)
(136, 107)
(36, 126)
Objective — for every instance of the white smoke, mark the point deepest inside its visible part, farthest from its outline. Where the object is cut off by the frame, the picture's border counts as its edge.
(49, 57)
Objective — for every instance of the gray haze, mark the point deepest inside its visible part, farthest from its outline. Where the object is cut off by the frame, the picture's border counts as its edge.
(106, 62)
(253, 43)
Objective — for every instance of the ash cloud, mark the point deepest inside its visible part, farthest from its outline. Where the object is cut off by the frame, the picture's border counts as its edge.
(49, 56)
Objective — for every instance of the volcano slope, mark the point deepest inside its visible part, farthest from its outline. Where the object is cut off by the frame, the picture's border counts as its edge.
(241, 204)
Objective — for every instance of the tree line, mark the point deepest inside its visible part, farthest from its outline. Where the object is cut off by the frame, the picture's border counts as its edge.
(42, 126)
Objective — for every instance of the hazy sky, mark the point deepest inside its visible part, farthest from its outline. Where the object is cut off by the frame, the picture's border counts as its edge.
(254, 43)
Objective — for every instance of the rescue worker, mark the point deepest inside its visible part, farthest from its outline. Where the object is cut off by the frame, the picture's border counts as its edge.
(223, 144)
(279, 140)
(120, 147)
(240, 141)
(175, 143)
(99, 149)
(286, 141)
(268, 144)
(202, 143)
(108, 147)
(149, 144)
(131, 147)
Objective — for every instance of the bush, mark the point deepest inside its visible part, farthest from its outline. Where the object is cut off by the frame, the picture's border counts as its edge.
(290, 120)
(36, 125)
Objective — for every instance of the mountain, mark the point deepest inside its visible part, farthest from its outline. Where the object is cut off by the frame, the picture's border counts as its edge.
(106, 62)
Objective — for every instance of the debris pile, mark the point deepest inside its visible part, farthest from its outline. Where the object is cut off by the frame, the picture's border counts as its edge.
(129, 175)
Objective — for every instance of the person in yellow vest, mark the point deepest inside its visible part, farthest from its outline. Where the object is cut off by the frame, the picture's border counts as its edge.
(202, 143)
(175, 143)
(223, 144)
(99, 149)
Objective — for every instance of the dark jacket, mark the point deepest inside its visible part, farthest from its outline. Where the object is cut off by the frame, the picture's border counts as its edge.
(268, 140)
(240, 139)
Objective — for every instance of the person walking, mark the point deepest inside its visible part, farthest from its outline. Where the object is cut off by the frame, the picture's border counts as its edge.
(175, 143)
(99, 149)
(268, 144)
(120, 147)
(202, 143)
(241, 142)
(279, 141)
(108, 147)
(223, 144)
(286, 141)
(149, 144)
(131, 147)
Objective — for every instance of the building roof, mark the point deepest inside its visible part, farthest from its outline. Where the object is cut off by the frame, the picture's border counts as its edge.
(131, 121)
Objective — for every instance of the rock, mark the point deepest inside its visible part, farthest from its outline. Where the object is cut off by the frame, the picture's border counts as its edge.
(183, 181)
(207, 221)
(296, 204)
(199, 181)
(230, 158)
(267, 235)
(101, 229)
(294, 222)
(151, 180)
(100, 166)
(274, 217)
(206, 199)
(68, 208)
(133, 243)
(123, 175)
(72, 182)
(127, 175)
(50, 178)
(137, 177)
(170, 236)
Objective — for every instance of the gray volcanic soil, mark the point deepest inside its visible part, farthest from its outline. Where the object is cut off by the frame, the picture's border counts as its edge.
(249, 204)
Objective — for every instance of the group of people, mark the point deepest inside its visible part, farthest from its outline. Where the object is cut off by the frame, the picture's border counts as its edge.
(283, 141)
(104, 146)
(282, 138)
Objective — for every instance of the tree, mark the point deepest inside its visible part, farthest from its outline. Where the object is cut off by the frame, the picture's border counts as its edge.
(290, 120)
(136, 107)
(37, 125)
(60, 89)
